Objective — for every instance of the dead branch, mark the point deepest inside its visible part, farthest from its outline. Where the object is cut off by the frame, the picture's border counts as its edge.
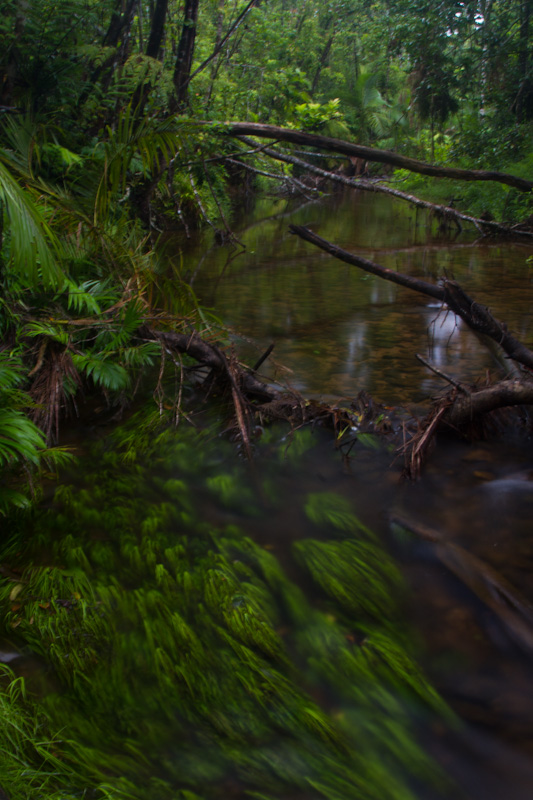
(280, 176)
(370, 154)
(466, 407)
(476, 316)
(252, 399)
(444, 212)
(440, 373)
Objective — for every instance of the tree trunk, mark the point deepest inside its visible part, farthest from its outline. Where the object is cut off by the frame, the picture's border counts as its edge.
(372, 154)
(182, 69)
(523, 103)
(157, 29)
(322, 63)
(119, 27)
(9, 78)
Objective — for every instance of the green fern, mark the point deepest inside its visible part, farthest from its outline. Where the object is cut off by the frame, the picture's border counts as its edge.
(84, 297)
(19, 438)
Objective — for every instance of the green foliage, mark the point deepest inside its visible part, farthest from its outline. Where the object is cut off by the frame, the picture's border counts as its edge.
(19, 438)
(21, 442)
(104, 372)
(328, 509)
(313, 116)
(31, 247)
(354, 574)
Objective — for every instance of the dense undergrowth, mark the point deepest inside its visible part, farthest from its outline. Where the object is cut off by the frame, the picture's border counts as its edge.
(182, 659)
(185, 662)
(486, 200)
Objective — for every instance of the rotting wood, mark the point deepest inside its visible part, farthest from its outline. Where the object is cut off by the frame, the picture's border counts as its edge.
(369, 153)
(513, 610)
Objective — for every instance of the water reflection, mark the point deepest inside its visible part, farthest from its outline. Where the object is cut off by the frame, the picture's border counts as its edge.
(340, 330)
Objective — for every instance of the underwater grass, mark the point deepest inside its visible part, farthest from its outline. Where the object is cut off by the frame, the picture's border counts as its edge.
(186, 663)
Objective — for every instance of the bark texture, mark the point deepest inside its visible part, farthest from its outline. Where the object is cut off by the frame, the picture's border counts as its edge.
(372, 154)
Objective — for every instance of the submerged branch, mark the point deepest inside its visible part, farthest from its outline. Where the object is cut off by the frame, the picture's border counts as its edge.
(513, 610)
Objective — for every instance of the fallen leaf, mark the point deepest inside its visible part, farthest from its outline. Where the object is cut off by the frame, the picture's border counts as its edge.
(15, 591)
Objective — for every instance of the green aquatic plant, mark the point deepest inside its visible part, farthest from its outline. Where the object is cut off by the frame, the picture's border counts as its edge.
(329, 509)
(353, 574)
(190, 653)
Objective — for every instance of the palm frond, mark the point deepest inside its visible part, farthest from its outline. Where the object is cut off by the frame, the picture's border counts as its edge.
(19, 438)
(33, 247)
(149, 141)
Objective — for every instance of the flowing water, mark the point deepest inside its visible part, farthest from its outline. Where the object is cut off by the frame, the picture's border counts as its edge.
(338, 331)
(260, 640)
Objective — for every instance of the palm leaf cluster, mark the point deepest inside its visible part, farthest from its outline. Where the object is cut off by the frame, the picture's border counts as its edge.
(76, 274)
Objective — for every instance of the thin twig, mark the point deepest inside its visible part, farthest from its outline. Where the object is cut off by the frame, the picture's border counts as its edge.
(441, 374)
(263, 357)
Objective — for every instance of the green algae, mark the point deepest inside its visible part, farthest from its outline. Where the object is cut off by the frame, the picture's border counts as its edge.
(186, 663)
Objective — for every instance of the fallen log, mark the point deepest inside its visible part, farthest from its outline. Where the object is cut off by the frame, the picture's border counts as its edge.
(476, 316)
(443, 212)
(369, 153)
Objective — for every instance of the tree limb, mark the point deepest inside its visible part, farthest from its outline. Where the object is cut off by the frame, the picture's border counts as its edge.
(371, 154)
(476, 316)
(512, 608)
(224, 39)
(445, 212)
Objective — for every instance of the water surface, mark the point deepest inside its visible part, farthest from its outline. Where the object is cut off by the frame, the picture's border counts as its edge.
(340, 330)
(145, 520)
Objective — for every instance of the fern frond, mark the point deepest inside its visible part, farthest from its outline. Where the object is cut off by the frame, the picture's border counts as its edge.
(43, 328)
(19, 438)
(104, 373)
(142, 356)
(84, 297)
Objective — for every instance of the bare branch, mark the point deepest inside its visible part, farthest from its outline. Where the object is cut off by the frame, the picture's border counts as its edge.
(372, 154)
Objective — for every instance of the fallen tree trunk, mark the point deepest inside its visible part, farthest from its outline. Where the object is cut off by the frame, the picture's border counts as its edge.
(444, 212)
(514, 611)
(370, 154)
(476, 316)
(460, 407)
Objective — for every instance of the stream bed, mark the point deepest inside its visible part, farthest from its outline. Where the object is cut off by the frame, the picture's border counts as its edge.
(199, 628)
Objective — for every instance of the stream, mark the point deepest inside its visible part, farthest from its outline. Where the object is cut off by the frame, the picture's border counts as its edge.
(338, 330)
(200, 628)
